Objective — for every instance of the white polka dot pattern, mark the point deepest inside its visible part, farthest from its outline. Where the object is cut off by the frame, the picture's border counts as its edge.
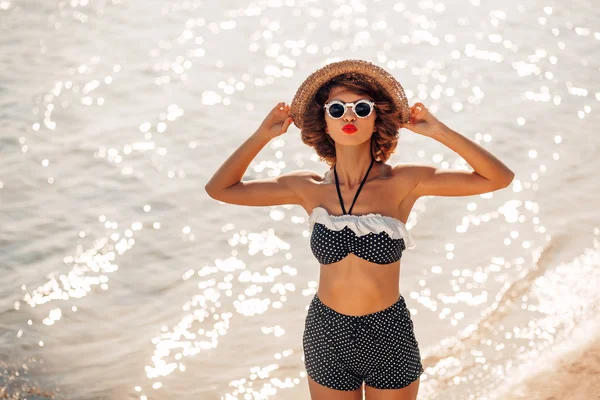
(329, 246)
(343, 351)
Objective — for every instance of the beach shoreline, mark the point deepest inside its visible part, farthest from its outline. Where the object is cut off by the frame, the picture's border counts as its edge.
(574, 375)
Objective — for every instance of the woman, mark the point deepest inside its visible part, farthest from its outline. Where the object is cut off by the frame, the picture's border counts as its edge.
(358, 327)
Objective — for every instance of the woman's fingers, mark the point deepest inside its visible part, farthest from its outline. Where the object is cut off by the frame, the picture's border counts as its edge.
(284, 107)
(417, 108)
(288, 117)
(417, 111)
(286, 124)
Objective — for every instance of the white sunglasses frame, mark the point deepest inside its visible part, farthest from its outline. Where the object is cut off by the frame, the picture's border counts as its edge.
(346, 105)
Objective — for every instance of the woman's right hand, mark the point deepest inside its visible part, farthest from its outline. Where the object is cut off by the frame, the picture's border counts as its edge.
(277, 121)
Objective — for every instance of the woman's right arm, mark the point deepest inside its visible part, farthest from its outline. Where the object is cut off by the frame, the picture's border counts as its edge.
(226, 184)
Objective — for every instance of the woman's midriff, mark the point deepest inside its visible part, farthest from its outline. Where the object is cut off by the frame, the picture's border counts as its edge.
(356, 287)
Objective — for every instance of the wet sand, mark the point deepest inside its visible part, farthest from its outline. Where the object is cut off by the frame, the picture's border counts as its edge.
(574, 376)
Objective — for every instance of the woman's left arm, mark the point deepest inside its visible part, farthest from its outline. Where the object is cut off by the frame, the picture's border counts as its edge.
(489, 172)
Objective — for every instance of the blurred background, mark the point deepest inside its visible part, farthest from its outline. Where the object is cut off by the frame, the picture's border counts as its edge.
(120, 278)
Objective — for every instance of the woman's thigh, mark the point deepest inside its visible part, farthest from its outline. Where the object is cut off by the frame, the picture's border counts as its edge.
(320, 392)
(406, 393)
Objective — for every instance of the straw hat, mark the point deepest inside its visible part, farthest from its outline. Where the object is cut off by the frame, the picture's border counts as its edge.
(362, 70)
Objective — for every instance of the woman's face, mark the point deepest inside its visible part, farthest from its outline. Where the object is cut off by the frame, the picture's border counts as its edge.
(364, 126)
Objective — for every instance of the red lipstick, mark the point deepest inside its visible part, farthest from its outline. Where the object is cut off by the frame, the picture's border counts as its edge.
(350, 129)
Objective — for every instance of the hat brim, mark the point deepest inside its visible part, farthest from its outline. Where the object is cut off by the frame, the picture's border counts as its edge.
(367, 70)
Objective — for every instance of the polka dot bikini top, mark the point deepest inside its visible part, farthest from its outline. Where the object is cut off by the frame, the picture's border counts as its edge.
(373, 237)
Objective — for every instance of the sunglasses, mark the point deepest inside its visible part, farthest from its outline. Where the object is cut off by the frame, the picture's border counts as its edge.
(337, 109)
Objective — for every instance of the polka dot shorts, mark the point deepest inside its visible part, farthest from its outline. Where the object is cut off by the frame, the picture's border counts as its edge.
(343, 351)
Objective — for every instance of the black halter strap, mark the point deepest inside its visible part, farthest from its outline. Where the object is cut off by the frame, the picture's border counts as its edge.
(357, 192)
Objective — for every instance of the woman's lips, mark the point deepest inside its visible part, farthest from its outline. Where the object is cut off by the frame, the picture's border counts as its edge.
(349, 128)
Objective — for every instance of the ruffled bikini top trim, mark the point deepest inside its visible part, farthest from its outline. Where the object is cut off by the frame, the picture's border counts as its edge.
(362, 224)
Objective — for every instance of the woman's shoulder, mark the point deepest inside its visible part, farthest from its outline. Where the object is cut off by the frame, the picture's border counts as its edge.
(407, 169)
(302, 177)
(304, 174)
(408, 175)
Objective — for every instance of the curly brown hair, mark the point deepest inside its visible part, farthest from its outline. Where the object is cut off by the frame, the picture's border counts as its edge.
(388, 119)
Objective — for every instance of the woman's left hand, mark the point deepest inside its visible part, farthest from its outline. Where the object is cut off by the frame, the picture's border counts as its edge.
(423, 122)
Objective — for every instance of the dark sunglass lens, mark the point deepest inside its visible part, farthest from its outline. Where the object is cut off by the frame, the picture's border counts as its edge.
(336, 110)
(363, 109)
